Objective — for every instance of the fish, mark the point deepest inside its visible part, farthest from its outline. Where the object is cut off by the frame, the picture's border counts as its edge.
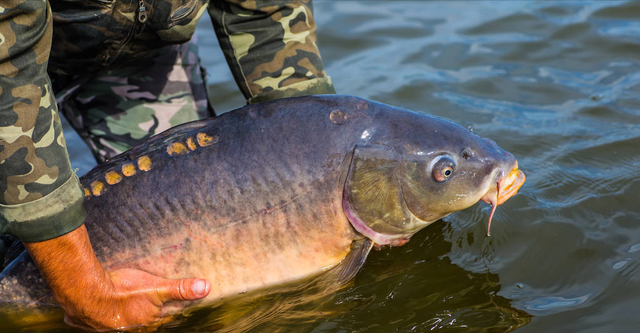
(275, 193)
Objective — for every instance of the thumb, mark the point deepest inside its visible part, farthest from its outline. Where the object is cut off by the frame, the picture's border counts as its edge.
(183, 290)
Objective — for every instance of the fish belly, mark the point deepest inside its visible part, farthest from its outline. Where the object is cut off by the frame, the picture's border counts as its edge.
(295, 240)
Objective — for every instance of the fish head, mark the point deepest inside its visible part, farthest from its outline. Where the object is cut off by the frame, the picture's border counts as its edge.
(421, 170)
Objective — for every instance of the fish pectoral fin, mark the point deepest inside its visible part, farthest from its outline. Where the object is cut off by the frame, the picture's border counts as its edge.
(353, 261)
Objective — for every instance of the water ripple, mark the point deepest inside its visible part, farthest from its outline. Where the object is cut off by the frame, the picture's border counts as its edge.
(556, 303)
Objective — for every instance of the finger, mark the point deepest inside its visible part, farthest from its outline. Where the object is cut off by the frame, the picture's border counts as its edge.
(183, 290)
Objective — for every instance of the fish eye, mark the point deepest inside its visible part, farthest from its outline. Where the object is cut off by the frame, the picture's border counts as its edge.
(442, 168)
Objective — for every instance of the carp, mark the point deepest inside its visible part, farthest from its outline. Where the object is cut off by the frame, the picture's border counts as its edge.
(277, 192)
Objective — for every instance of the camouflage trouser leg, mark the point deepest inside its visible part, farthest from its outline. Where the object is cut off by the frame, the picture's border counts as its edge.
(118, 109)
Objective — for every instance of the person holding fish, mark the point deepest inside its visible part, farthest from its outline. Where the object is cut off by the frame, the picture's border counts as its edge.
(121, 72)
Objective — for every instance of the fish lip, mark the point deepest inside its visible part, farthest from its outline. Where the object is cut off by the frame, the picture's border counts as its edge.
(508, 187)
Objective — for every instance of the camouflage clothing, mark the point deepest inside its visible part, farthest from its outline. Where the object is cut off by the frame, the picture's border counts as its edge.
(39, 195)
(269, 45)
(271, 48)
(117, 109)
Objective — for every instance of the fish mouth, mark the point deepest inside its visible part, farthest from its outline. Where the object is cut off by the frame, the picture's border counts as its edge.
(506, 187)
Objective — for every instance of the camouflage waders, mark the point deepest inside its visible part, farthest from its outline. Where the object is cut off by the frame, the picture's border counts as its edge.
(117, 109)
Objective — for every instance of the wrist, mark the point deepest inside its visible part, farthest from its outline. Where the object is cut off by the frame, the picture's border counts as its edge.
(75, 276)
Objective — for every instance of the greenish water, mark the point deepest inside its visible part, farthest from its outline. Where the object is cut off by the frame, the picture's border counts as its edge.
(555, 83)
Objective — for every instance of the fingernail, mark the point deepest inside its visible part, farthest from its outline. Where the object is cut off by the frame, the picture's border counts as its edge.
(199, 287)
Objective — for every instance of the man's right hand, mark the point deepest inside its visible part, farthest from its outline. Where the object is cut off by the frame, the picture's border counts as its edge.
(95, 299)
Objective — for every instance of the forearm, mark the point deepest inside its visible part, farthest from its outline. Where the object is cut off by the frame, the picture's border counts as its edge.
(96, 299)
(73, 273)
(271, 48)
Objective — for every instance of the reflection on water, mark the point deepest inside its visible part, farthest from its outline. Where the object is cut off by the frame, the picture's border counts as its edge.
(554, 82)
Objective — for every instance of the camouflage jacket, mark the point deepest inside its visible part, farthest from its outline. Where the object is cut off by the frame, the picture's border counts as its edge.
(269, 45)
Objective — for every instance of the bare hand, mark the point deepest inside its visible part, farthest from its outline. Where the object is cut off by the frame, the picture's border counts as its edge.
(135, 298)
(95, 299)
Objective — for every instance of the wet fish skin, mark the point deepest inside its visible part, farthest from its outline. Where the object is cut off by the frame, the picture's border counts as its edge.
(263, 195)
(258, 201)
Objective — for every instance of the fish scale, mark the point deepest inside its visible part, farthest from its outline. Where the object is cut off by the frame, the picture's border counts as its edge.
(250, 231)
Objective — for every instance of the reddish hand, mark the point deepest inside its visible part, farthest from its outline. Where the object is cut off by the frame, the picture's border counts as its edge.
(95, 299)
